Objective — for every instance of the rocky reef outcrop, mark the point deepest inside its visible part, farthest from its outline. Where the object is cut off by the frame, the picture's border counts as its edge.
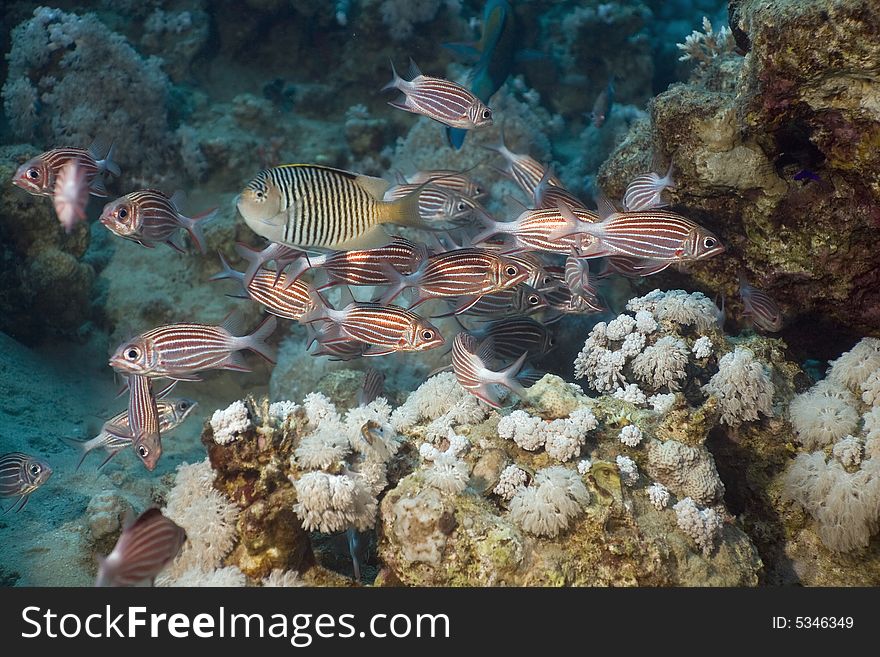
(774, 146)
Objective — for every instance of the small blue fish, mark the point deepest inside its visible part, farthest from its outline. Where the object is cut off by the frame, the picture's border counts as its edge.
(807, 176)
(21, 475)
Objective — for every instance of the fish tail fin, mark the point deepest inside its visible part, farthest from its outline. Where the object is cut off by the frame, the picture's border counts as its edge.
(256, 341)
(395, 78)
(319, 309)
(109, 164)
(195, 226)
(297, 268)
(228, 272)
(405, 210)
(455, 137)
(79, 445)
(491, 227)
(508, 376)
(101, 151)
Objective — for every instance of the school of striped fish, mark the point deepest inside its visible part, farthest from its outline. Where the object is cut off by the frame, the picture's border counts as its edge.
(328, 231)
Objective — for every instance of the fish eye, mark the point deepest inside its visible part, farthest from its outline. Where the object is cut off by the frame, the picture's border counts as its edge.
(184, 405)
(122, 213)
(510, 270)
(33, 174)
(487, 113)
(143, 451)
(132, 353)
(533, 299)
(478, 191)
(35, 469)
(259, 194)
(462, 206)
(427, 335)
(709, 242)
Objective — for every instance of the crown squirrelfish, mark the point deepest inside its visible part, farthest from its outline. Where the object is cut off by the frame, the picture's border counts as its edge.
(38, 175)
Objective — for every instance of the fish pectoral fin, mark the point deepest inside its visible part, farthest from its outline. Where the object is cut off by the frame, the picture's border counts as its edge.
(278, 220)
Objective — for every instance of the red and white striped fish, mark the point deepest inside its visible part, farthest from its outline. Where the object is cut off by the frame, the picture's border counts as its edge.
(653, 235)
(759, 307)
(374, 383)
(524, 170)
(442, 100)
(181, 351)
(21, 475)
(645, 192)
(469, 360)
(467, 273)
(71, 195)
(543, 230)
(143, 418)
(38, 175)
(143, 549)
(437, 205)
(580, 283)
(172, 413)
(275, 292)
(149, 217)
(362, 267)
(457, 181)
(387, 329)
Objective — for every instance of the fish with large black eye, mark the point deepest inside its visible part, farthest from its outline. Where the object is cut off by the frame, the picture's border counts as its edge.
(21, 475)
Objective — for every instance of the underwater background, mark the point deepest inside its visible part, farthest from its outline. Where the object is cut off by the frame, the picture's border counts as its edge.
(684, 434)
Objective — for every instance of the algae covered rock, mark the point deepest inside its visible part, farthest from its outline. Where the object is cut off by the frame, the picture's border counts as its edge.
(777, 152)
(44, 286)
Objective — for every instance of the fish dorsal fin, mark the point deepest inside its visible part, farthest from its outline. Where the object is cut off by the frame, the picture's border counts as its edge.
(567, 213)
(413, 71)
(177, 199)
(375, 187)
(605, 206)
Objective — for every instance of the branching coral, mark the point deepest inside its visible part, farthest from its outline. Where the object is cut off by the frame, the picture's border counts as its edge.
(703, 47)
(555, 497)
(629, 471)
(742, 386)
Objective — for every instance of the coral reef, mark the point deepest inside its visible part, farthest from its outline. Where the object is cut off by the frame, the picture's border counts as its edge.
(57, 54)
(743, 132)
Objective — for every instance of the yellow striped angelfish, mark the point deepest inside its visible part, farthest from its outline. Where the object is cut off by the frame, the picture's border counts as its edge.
(312, 206)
